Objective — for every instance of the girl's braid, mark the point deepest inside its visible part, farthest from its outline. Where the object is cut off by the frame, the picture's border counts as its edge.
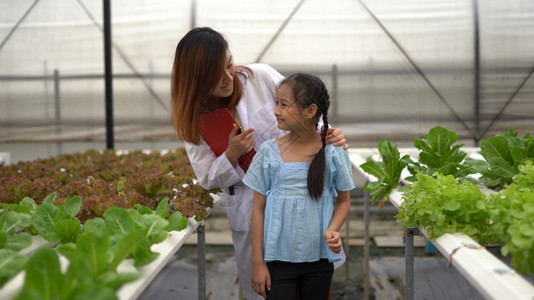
(323, 103)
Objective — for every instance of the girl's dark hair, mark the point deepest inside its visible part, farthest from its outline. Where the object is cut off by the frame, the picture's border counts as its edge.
(199, 63)
(308, 89)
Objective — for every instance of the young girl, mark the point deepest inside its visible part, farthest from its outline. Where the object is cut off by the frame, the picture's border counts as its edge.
(295, 229)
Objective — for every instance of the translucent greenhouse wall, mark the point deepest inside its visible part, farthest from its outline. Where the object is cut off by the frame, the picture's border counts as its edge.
(394, 68)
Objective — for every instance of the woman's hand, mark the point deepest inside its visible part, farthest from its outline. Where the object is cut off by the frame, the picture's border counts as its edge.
(333, 240)
(239, 144)
(261, 279)
(335, 136)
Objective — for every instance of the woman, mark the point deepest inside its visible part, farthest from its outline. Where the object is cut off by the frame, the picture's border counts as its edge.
(204, 78)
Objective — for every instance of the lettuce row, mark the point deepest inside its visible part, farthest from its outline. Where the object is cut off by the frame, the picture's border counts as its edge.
(93, 252)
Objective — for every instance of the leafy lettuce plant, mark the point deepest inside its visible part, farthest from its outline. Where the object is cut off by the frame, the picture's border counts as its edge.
(512, 213)
(11, 262)
(57, 223)
(138, 229)
(87, 276)
(503, 154)
(96, 252)
(438, 154)
(442, 204)
(13, 219)
(387, 171)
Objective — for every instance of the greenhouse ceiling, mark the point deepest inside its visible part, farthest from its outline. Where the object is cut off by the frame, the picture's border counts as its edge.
(394, 68)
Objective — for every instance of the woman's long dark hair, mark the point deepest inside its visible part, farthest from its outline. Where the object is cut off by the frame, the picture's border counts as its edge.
(198, 66)
(308, 89)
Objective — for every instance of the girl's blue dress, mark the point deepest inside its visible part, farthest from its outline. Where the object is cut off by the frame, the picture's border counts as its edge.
(295, 222)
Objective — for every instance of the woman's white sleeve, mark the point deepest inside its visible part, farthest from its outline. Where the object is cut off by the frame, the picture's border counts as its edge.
(211, 171)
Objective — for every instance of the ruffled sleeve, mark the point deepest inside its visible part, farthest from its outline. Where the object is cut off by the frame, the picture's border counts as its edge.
(257, 177)
(341, 169)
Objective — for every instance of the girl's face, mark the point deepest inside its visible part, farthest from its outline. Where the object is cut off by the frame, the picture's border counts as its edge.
(225, 87)
(287, 112)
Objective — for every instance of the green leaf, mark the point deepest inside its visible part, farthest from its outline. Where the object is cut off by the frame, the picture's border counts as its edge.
(73, 205)
(451, 205)
(118, 220)
(94, 247)
(519, 154)
(153, 227)
(3, 239)
(376, 189)
(440, 139)
(373, 168)
(495, 147)
(523, 242)
(94, 224)
(501, 167)
(142, 254)
(12, 220)
(44, 221)
(98, 292)
(177, 222)
(143, 210)
(28, 203)
(67, 229)
(50, 199)
(422, 145)
(11, 262)
(448, 169)
(163, 208)
(456, 155)
(18, 241)
(124, 247)
(115, 280)
(68, 250)
(80, 281)
(387, 172)
(43, 275)
(527, 229)
(473, 166)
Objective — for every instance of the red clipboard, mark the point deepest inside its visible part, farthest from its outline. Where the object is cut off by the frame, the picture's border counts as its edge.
(216, 126)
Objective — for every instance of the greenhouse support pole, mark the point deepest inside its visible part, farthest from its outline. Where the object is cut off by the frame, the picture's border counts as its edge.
(201, 255)
(477, 71)
(409, 262)
(57, 110)
(8, 36)
(193, 14)
(366, 205)
(108, 74)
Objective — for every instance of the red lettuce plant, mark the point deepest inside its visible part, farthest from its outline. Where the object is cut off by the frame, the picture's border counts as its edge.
(108, 179)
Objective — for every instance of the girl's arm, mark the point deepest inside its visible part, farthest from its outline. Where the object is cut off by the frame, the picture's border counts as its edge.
(261, 279)
(331, 235)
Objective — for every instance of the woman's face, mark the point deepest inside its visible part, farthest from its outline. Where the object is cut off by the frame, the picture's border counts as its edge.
(225, 87)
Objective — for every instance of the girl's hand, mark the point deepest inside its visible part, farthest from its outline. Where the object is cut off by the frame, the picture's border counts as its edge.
(335, 136)
(333, 240)
(239, 144)
(261, 279)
